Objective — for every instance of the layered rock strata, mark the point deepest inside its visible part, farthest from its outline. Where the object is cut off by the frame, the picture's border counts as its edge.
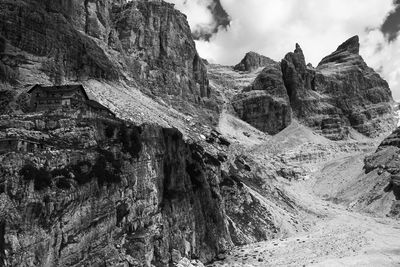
(100, 192)
(80, 191)
(265, 103)
(341, 93)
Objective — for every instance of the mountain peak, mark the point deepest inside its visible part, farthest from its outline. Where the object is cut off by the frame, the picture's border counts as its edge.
(351, 45)
(252, 61)
(298, 49)
(346, 52)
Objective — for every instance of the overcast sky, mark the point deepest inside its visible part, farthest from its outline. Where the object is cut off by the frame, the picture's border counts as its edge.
(227, 29)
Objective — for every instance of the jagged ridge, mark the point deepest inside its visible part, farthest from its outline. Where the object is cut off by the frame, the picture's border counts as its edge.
(341, 92)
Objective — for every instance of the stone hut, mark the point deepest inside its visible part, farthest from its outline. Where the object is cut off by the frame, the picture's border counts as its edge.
(68, 97)
(19, 144)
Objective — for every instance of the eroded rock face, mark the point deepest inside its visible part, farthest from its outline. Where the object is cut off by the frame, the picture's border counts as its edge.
(104, 193)
(357, 91)
(341, 93)
(80, 191)
(253, 61)
(157, 40)
(298, 78)
(141, 42)
(265, 103)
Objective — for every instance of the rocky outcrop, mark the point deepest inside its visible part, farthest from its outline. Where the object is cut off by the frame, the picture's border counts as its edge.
(146, 43)
(341, 93)
(252, 61)
(158, 42)
(80, 191)
(361, 96)
(265, 104)
(298, 78)
(377, 190)
(105, 193)
(348, 48)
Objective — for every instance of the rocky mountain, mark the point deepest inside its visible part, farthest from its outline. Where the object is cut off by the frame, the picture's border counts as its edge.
(265, 103)
(341, 93)
(199, 158)
(103, 192)
(252, 61)
(93, 191)
(156, 186)
(142, 43)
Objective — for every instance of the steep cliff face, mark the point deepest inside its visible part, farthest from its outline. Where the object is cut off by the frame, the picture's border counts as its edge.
(359, 93)
(142, 42)
(341, 93)
(89, 191)
(265, 103)
(157, 40)
(104, 193)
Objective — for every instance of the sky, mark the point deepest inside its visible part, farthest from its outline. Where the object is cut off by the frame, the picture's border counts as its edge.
(227, 29)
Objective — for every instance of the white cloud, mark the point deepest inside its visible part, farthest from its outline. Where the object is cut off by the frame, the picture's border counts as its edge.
(272, 27)
(199, 16)
(384, 57)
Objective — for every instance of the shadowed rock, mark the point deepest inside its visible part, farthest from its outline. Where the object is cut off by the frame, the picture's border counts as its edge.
(265, 103)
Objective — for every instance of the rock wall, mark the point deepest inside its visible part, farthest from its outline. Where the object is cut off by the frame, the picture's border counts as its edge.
(108, 194)
(147, 43)
(102, 192)
(341, 92)
(265, 104)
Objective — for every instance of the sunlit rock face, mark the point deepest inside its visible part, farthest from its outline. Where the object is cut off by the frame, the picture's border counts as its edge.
(342, 92)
